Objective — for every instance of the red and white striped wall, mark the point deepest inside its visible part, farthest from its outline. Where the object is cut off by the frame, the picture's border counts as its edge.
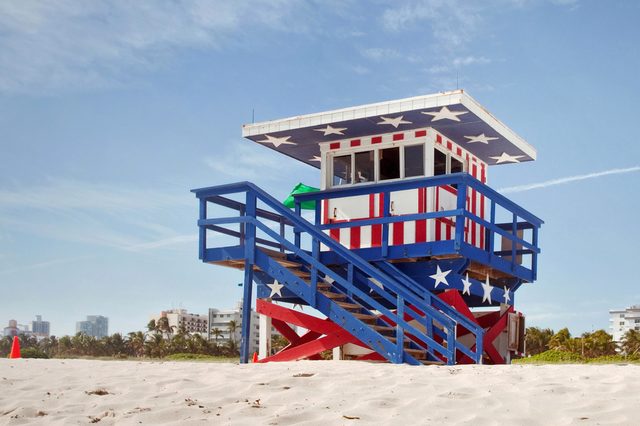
(419, 200)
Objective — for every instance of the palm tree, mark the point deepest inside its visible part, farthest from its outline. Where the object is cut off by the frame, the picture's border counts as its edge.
(216, 332)
(631, 343)
(598, 343)
(233, 327)
(135, 343)
(562, 341)
(162, 325)
(152, 326)
(156, 346)
(538, 340)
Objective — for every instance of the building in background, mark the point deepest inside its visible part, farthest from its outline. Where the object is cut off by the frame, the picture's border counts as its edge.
(621, 321)
(192, 323)
(95, 325)
(226, 325)
(40, 328)
(15, 329)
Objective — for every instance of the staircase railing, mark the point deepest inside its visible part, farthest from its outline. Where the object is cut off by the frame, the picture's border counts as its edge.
(249, 221)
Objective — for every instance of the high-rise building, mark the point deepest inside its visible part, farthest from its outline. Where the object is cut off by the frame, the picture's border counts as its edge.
(95, 325)
(621, 321)
(192, 323)
(226, 325)
(40, 328)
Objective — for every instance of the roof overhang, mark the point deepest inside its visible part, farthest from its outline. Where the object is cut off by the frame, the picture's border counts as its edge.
(454, 114)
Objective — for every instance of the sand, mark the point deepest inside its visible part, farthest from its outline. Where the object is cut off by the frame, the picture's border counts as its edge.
(64, 392)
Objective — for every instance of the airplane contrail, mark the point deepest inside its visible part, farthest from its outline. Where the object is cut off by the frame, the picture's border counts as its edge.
(560, 181)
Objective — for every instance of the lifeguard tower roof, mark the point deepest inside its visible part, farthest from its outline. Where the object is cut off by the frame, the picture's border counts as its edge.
(454, 114)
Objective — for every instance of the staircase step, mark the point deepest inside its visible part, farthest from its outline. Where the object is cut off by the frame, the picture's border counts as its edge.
(334, 296)
(348, 305)
(299, 273)
(383, 329)
(406, 342)
(430, 362)
(364, 317)
(417, 353)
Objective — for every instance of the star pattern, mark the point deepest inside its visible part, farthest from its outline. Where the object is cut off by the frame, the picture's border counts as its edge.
(486, 291)
(506, 158)
(276, 288)
(506, 297)
(445, 114)
(481, 138)
(466, 285)
(395, 122)
(284, 140)
(440, 277)
(331, 130)
(315, 158)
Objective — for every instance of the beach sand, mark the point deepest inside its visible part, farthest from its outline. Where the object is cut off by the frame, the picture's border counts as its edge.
(67, 392)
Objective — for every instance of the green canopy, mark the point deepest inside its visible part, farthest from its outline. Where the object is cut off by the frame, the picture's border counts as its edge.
(301, 189)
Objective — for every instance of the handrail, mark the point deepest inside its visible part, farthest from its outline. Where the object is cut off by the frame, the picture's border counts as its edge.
(441, 180)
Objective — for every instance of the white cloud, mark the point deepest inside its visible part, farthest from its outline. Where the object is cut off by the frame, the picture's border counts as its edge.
(568, 179)
(470, 60)
(97, 214)
(49, 46)
(380, 54)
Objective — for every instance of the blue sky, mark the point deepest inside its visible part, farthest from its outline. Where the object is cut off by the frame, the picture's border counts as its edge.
(110, 112)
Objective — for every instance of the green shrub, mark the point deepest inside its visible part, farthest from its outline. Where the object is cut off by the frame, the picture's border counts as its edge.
(551, 357)
(187, 356)
(33, 353)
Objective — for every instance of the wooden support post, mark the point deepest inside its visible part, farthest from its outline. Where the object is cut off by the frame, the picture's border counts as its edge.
(264, 348)
(202, 231)
(249, 254)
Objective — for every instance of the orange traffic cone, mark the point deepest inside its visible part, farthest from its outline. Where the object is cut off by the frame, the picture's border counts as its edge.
(15, 348)
(255, 357)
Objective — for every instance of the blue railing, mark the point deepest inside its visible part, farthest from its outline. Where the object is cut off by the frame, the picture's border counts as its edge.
(505, 260)
(249, 221)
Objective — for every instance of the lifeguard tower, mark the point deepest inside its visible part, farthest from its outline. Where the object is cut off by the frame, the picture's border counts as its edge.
(407, 253)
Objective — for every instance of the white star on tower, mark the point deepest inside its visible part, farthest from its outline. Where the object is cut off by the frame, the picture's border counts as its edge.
(506, 295)
(482, 138)
(506, 158)
(445, 114)
(315, 158)
(466, 285)
(486, 291)
(277, 141)
(331, 130)
(440, 277)
(276, 288)
(395, 122)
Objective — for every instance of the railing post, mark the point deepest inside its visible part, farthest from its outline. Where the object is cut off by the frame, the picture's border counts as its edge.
(491, 236)
(534, 258)
(296, 232)
(451, 345)
(249, 255)
(399, 329)
(386, 203)
(428, 323)
(514, 246)
(202, 230)
(479, 344)
(242, 211)
(282, 231)
(461, 204)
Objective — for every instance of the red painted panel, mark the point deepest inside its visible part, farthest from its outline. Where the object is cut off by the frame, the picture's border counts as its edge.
(334, 145)
(376, 139)
(398, 136)
(355, 142)
(421, 133)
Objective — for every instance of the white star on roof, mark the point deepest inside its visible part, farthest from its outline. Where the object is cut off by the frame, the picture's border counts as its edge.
(276, 288)
(482, 138)
(315, 158)
(395, 122)
(466, 289)
(486, 291)
(506, 295)
(506, 158)
(331, 130)
(277, 141)
(445, 114)
(440, 277)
